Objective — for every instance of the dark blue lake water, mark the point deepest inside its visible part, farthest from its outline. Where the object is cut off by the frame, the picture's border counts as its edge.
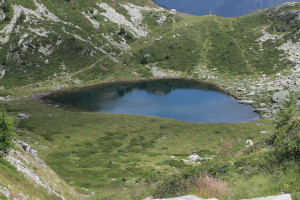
(224, 8)
(176, 99)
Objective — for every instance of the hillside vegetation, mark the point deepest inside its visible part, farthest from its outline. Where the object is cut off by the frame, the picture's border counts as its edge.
(60, 44)
(269, 167)
(81, 43)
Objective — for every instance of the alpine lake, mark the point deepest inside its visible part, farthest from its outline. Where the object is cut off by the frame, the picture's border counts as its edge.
(178, 99)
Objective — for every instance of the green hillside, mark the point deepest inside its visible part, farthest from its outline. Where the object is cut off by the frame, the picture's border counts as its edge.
(64, 42)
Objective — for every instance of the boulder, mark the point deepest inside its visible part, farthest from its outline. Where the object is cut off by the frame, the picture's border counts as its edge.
(241, 89)
(193, 158)
(251, 93)
(259, 110)
(249, 142)
(280, 96)
(4, 191)
(26, 147)
(2, 15)
(246, 101)
(23, 116)
(298, 103)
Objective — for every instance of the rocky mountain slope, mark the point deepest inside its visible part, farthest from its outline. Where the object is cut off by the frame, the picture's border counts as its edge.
(45, 48)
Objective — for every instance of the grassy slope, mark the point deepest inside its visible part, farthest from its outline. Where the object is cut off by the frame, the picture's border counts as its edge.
(10, 176)
(102, 146)
(19, 185)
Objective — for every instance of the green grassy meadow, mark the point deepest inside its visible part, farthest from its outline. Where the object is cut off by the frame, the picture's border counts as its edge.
(95, 150)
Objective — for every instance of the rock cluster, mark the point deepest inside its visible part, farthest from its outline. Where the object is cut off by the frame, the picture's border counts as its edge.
(194, 158)
(23, 116)
(26, 147)
(6, 191)
(115, 17)
(191, 197)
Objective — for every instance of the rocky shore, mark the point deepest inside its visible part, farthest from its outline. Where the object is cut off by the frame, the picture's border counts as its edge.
(191, 197)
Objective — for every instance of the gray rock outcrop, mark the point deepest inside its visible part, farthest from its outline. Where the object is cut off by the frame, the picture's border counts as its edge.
(26, 147)
(4, 191)
(23, 116)
(280, 96)
(260, 110)
(298, 103)
(250, 101)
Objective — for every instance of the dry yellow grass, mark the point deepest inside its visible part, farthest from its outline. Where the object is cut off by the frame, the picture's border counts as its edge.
(296, 118)
(209, 187)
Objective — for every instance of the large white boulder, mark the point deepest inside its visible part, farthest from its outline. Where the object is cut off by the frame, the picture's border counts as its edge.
(280, 96)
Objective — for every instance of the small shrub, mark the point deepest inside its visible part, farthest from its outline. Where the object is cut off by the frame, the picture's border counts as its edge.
(217, 168)
(255, 163)
(287, 141)
(48, 137)
(5, 7)
(172, 186)
(129, 36)
(175, 163)
(21, 18)
(3, 197)
(122, 31)
(144, 60)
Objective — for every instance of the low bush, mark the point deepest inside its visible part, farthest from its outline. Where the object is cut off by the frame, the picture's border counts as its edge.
(217, 168)
(174, 185)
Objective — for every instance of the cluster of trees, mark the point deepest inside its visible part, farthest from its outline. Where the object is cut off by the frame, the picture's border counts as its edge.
(6, 133)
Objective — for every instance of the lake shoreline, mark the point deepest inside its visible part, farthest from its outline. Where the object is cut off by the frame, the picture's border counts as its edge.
(45, 98)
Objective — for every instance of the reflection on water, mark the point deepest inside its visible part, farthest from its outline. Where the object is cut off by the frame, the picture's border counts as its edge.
(224, 8)
(175, 99)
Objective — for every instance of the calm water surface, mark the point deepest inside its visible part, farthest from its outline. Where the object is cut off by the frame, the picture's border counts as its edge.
(174, 99)
(224, 8)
